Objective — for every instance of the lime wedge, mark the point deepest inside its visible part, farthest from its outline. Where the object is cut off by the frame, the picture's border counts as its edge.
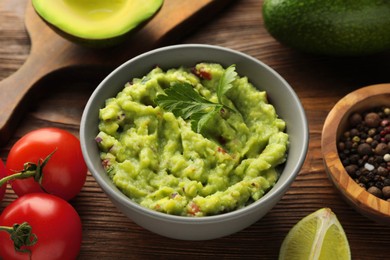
(316, 236)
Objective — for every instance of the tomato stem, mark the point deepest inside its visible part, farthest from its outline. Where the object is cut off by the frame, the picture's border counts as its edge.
(21, 235)
(29, 170)
(20, 175)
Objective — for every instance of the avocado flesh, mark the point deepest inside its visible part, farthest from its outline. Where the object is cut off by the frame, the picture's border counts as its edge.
(96, 22)
(330, 27)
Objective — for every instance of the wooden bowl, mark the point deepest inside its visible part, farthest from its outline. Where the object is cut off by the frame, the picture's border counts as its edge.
(335, 125)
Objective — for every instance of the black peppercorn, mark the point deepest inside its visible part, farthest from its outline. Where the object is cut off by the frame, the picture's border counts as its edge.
(341, 146)
(386, 182)
(355, 119)
(354, 132)
(351, 169)
(364, 150)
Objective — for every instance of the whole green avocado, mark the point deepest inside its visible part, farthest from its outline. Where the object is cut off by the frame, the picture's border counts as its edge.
(330, 27)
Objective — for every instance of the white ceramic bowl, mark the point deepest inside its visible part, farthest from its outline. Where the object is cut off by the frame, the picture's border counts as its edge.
(281, 95)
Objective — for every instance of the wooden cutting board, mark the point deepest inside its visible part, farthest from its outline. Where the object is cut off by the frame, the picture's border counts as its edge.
(50, 54)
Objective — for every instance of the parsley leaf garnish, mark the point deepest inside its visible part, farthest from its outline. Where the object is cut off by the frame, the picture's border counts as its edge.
(225, 83)
(182, 100)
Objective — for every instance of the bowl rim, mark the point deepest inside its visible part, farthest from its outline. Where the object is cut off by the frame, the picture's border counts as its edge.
(333, 165)
(123, 199)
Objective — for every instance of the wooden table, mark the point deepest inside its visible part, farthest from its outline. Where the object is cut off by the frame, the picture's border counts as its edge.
(319, 82)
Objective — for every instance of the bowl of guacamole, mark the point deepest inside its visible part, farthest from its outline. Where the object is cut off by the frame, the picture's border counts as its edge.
(194, 141)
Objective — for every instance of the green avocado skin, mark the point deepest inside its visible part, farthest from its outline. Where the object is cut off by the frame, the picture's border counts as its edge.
(330, 27)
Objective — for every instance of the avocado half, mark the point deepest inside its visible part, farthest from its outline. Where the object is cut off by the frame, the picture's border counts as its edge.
(96, 23)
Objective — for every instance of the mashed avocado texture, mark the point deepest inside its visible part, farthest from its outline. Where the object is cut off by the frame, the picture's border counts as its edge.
(160, 162)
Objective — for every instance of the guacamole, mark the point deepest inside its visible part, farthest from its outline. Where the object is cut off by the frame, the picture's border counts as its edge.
(159, 161)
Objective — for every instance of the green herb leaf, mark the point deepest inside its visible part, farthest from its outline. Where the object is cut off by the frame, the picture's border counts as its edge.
(183, 100)
(199, 120)
(225, 83)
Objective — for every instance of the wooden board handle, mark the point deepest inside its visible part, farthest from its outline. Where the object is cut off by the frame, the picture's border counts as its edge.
(50, 52)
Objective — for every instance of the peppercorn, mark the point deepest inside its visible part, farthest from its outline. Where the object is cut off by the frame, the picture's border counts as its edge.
(374, 143)
(355, 139)
(378, 159)
(371, 132)
(364, 150)
(341, 146)
(386, 182)
(355, 119)
(386, 192)
(351, 169)
(381, 149)
(372, 119)
(382, 171)
(354, 132)
(346, 135)
(354, 159)
(375, 191)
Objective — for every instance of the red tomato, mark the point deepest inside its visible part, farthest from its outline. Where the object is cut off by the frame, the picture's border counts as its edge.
(54, 221)
(2, 175)
(64, 174)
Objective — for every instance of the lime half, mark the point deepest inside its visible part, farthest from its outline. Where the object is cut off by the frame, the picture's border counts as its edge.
(316, 236)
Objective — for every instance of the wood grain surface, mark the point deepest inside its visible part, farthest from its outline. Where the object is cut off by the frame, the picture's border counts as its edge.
(51, 54)
(319, 82)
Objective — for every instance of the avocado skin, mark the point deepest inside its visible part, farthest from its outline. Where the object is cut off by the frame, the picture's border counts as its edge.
(330, 27)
